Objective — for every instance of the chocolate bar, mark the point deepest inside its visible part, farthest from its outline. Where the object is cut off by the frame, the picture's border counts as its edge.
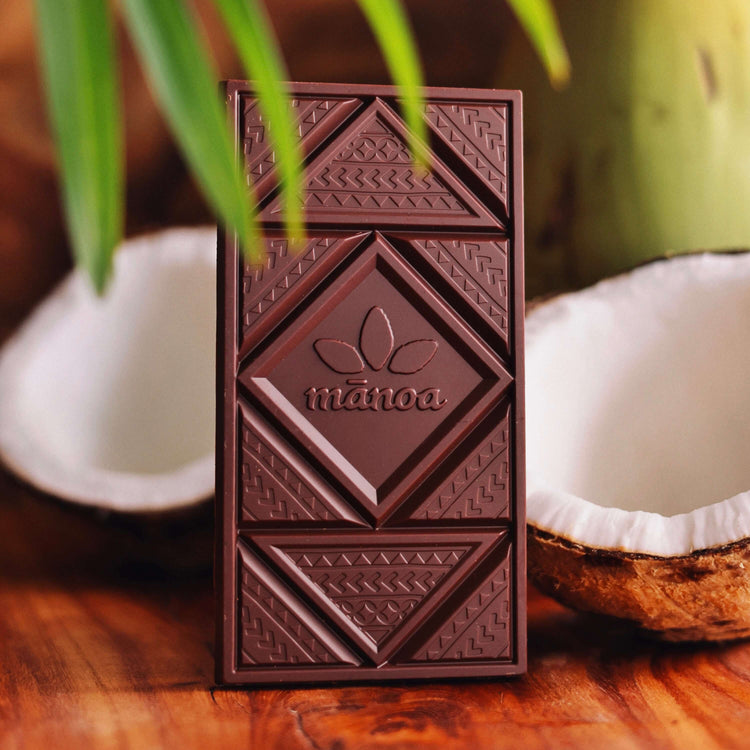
(370, 462)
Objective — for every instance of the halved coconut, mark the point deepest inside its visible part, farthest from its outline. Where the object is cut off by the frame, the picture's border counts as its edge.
(110, 402)
(638, 420)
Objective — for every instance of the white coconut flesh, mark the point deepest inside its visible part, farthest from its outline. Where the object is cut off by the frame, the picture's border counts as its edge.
(110, 402)
(638, 409)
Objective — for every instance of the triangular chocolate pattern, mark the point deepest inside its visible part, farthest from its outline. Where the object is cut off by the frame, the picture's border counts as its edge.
(274, 286)
(480, 628)
(478, 134)
(316, 119)
(478, 269)
(275, 490)
(479, 487)
(367, 174)
(375, 586)
(276, 628)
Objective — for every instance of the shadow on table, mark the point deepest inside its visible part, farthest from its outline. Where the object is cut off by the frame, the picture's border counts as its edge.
(46, 538)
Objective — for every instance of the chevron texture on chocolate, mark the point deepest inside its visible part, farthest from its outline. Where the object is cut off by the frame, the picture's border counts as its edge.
(315, 118)
(480, 628)
(265, 284)
(478, 134)
(369, 170)
(478, 269)
(375, 171)
(479, 488)
(272, 491)
(275, 628)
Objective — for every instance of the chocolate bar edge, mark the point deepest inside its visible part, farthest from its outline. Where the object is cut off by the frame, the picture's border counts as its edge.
(225, 556)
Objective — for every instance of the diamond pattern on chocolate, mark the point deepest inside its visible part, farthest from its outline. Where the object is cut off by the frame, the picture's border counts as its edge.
(478, 134)
(377, 587)
(276, 628)
(278, 488)
(316, 119)
(480, 628)
(436, 377)
(368, 173)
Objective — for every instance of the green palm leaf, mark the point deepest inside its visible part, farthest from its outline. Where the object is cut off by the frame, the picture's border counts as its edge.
(180, 72)
(540, 23)
(254, 39)
(391, 29)
(77, 54)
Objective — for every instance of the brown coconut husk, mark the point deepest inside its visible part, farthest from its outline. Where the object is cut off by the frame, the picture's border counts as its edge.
(702, 596)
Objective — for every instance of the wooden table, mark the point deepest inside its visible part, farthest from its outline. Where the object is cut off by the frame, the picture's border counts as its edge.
(106, 629)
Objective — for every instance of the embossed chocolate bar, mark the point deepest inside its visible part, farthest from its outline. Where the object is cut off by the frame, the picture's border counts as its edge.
(370, 463)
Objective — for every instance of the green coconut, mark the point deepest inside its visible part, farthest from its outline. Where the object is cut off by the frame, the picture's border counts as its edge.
(647, 151)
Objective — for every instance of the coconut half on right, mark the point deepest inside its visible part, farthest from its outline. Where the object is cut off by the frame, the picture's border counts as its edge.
(638, 447)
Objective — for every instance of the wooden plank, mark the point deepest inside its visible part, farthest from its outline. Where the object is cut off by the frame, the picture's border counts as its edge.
(106, 631)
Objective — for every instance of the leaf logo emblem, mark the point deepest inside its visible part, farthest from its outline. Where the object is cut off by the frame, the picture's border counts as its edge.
(339, 356)
(376, 338)
(376, 348)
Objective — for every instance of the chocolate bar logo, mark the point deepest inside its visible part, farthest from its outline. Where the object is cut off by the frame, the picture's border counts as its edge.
(376, 350)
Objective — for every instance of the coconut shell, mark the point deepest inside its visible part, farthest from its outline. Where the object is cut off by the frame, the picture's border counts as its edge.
(703, 596)
(126, 382)
(603, 198)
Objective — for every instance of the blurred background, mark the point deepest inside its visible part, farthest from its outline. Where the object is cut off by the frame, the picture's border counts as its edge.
(327, 40)
(644, 153)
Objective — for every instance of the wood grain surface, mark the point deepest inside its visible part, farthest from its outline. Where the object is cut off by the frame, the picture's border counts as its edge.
(106, 630)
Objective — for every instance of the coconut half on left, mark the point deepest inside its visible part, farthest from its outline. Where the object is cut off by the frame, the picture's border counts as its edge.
(110, 402)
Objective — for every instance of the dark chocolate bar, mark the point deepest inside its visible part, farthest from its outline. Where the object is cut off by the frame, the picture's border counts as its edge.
(370, 463)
